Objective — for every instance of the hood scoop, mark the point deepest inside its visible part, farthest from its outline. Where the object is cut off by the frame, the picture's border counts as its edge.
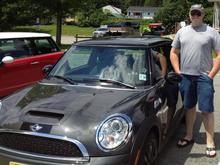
(44, 117)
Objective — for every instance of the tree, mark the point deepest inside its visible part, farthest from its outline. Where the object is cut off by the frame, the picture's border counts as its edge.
(59, 8)
(204, 3)
(11, 13)
(153, 3)
(95, 18)
(172, 13)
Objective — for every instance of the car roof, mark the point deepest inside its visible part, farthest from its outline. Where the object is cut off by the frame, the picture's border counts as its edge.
(130, 41)
(8, 35)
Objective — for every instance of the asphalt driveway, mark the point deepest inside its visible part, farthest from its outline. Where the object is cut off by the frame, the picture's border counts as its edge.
(194, 154)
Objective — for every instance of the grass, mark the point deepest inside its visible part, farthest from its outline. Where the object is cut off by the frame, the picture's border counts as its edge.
(68, 30)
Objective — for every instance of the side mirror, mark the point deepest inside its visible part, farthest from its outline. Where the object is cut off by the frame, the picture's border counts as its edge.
(46, 69)
(7, 60)
(173, 78)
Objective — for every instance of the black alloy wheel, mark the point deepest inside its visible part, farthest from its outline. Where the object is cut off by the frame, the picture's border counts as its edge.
(150, 150)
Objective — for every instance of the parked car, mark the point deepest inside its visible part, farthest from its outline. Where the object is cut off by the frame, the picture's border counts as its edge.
(101, 104)
(120, 28)
(27, 53)
(155, 29)
(100, 32)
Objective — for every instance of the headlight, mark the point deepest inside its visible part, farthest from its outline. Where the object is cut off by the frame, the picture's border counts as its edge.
(0, 104)
(113, 132)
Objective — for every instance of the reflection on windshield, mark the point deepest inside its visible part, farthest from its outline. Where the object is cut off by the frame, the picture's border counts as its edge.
(126, 65)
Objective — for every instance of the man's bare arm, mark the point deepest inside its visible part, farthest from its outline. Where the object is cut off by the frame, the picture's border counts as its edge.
(163, 64)
(174, 58)
(216, 66)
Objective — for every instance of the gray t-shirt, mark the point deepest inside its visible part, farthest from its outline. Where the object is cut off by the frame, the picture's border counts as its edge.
(196, 45)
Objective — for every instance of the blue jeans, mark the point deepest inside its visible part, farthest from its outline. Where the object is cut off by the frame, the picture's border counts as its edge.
(197, 88)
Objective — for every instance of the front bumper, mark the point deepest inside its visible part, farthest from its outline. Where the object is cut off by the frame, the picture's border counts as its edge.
(5, 159)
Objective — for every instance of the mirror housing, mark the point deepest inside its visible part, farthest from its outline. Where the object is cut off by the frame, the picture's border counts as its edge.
(173, 78)
(46, 69)
(7, 60)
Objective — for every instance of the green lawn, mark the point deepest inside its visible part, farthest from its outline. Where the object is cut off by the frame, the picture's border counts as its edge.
(69, 30)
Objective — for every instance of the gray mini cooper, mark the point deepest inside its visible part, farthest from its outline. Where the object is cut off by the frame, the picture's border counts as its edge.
(103, 103)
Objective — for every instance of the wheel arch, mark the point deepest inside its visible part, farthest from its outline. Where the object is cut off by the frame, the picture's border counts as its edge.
(148, 126)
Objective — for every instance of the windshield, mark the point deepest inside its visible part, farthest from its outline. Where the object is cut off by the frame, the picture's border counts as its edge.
(90, 63)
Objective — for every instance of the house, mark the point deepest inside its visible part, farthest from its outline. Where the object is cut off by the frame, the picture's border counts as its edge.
(139, 12)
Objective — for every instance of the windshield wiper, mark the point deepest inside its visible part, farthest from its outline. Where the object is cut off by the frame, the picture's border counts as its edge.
(117, 83)
(69, 80)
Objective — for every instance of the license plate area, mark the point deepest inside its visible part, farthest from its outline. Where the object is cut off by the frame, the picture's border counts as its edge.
(16, 163)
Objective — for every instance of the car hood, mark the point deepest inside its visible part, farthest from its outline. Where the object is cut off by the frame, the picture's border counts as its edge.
(72, 111)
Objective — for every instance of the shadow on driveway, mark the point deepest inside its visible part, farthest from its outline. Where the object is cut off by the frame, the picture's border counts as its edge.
(191, 155)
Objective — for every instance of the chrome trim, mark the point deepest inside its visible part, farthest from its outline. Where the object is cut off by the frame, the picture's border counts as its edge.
(124, 116)
(85, 157)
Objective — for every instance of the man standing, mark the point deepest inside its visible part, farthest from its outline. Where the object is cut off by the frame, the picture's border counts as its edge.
(193, 46)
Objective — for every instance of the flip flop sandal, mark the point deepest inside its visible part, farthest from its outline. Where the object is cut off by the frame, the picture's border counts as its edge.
(209, 150)
(185, 142)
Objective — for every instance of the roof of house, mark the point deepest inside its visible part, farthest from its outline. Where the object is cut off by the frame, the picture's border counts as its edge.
(7, 35)
(116, 10)
(142, 9)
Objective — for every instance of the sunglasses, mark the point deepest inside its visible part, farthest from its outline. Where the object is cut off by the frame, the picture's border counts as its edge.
(195, 12)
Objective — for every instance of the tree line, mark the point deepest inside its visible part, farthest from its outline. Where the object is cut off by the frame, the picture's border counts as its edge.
(19, 12)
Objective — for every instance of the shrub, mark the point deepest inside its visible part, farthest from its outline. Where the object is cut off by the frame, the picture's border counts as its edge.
(93, 19)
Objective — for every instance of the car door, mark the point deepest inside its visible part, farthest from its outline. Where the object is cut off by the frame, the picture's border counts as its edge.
(14, 75)
(160, 100)
(170, 95)
(30, 57)
(179, 103)
(45, 52)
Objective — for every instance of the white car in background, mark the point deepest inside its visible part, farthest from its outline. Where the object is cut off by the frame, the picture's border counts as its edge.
(100, 32)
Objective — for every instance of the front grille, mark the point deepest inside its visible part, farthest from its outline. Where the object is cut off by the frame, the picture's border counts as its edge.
(39, 145)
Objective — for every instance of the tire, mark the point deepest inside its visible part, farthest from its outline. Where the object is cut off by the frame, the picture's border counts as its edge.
(149, 150)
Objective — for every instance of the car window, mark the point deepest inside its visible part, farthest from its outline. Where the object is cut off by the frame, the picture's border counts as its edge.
(156, 52)
(82, 55)
(163, 50)
(102, 29)
(16, 48)
(43, 46)
(127, 65)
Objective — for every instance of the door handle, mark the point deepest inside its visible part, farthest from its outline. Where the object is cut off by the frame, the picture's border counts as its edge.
(35, 62)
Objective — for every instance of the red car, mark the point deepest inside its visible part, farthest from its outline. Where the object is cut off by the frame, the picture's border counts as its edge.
(22, 58)
(155, 29)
